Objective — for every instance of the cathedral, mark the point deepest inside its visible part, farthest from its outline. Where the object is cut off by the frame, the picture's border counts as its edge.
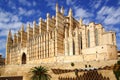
(60, 39)
(65, 46)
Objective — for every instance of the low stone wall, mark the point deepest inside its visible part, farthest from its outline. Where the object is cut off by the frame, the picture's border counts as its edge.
(23, 70)
(73, 58)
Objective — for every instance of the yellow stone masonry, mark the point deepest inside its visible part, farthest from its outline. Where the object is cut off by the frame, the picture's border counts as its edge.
(58, 41)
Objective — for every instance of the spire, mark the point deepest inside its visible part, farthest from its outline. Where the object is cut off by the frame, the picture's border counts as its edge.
(15, 35)
(9, 34)
(28, 25)
(57, 9)
(62, 10)
(53, 17)
(34, 23)
(9, 38)
(70, 12)
(48, 15)
(22, 27)
(80, 22)
(40, 19)
(15, 38)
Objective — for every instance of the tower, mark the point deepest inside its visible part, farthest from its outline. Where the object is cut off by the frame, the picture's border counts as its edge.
(23, 36)
(59, 32)
(8, 46)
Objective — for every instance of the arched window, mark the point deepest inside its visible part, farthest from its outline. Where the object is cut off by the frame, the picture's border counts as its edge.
(80, 40)
(96, 37)
(113, 38)
(23, 58)
(68, 48)
(88, 38)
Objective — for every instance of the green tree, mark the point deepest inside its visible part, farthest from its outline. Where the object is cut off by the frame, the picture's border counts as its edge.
(116, 70)
(40, 73)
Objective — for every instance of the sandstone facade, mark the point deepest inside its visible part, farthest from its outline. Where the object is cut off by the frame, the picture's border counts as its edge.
(58, 41)
(61, 36)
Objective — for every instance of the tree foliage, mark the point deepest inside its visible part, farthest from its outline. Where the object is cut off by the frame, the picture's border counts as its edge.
(40, 73)
(116, 70)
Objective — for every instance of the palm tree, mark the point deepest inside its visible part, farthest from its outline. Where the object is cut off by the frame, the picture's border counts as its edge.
(40, 73)
(116, 70)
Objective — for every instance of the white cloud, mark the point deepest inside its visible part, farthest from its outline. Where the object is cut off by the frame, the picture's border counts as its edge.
(25, 2)
(3, 33)
(70, 2)
(86, 21)
(7, 21)
(97, 4)
(11, 25)
(51, 4)
(25, 12)
(4, 16)
(2, 44)
(11, 4)
(2, 54)
(34, 3)
(118, 43)
(118, 2)
(109, 15)
(81, 13)
(94, 4)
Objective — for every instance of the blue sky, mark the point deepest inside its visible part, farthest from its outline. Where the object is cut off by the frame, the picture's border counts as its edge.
(14, 13)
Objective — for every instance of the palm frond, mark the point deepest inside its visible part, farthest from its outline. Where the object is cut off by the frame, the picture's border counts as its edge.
(40, 73)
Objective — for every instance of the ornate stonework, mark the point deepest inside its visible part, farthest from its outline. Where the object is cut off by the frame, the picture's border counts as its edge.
(56, 43)
(58, 38)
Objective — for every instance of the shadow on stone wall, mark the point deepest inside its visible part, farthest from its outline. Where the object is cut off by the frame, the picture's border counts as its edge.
(12, 78)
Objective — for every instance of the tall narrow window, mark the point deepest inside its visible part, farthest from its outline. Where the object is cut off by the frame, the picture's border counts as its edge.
(88, 38)
(113, 38)
(80, 40)
(68, 48)
(96, 37)
(73, 47)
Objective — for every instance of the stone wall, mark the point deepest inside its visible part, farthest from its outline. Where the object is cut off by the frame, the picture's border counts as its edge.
(24, 70)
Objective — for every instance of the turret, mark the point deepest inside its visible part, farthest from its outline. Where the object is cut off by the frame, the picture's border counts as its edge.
(57, 9)
(28, 31)
(70, 13)
(81, 22)
(15, 39)
(8, 46)
(18, 37)
(9, 38)
(62, 10)
(22, 27)
(34, 28)
(40, 25)
(23, 36)
(48, 20)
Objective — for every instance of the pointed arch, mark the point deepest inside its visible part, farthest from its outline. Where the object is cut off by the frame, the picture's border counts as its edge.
(96, 37)
(73, 47)
(88, 38)
(23, 58)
